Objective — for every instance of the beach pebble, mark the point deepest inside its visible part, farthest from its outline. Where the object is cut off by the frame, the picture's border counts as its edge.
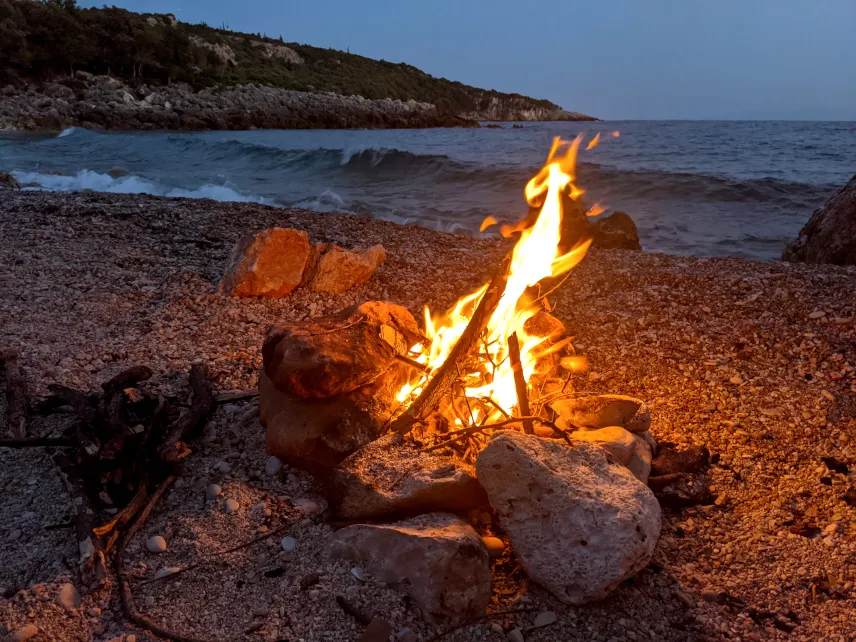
(232, 505)
(495, 546)
(307, 506)
(213, 492)
(166, 571)
(149, 601)
(156, 544)
(406, 635)
(737, 380)
(544, 618)
(827, 395)
(358, 573)
(23, 633)
(817, 314)
(223, 467)
(515, 635)
(15, 535)
(231, 408)
(130, 638)
(288, 544)
(68, 597)
(273, 466)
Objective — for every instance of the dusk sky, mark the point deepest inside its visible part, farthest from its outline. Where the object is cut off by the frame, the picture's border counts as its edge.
(615, 59)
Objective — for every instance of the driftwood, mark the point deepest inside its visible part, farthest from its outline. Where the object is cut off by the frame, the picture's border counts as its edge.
(519, 382)
(174, 447)
(17, 401)
(445, 375)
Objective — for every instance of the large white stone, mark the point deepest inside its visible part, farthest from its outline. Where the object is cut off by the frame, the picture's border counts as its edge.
(579, 524)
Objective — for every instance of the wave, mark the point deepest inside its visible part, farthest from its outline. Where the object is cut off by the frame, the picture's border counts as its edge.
(89, 180)
(67, 132)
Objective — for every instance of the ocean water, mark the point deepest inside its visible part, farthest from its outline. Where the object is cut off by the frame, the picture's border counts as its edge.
(693, 187)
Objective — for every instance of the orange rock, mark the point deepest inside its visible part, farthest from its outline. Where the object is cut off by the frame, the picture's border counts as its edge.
(268, 264)
(340, 270)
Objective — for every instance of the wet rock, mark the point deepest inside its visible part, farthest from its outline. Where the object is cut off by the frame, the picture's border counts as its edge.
(830, 234)
(616, 232)
(438, 559)
(268, 264)
(7, 181)
(579, 525)
(602, 411)
(391, 477)
(329, 386)
(340, 270)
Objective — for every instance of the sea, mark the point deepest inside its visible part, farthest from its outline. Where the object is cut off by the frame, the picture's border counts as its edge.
(700, 188)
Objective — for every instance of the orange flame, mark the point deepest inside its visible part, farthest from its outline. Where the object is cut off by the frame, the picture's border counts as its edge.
(593, 142)
(536, 256)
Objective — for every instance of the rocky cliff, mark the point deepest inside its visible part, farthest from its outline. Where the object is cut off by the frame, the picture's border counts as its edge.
(830, 234)
(102, 102)
(518, 108)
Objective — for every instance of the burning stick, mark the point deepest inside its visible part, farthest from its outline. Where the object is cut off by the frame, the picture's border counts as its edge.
(439, 384)
(519, 382)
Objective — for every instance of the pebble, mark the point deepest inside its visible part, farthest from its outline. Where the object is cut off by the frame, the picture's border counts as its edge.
(495, 546)
(288, 544)
(358, 573)
(23, 633)
(406, 635)
(213, 492)
(156, 544)
(827, 395)
(515, 635)
(232, 505)
(737, 380)
(307, 506)
(166, 571)
(15, 535)
(544, 618)
(223, 467)
(68, 597)
(273, 466)
(149, 601)
(130, 638)
(817, 314)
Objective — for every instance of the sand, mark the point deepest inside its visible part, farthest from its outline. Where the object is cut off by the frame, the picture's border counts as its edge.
(753, 359)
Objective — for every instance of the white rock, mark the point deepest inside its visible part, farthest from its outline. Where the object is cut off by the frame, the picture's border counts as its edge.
(273, 466)
(156, 544)
(579, 525)
(68, 597)
(288, 544)
(166, 571)
(232, 505)
(213, 492)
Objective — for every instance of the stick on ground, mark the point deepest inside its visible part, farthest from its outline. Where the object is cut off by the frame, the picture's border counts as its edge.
(174, 447)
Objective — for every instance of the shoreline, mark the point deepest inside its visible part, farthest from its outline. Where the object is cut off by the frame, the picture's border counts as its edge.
(729, 353)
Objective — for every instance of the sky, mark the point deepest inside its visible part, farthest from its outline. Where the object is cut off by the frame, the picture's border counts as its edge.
(614, 59)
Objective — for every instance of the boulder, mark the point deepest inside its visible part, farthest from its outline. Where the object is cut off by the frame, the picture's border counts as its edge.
(7, 181)
(391, 476)
(329, 386)
(615, 440)
(437, 558)
(340, 270)
(268, 264)
(616, 232)
(830, 234)
(602, 411)
(579, 524)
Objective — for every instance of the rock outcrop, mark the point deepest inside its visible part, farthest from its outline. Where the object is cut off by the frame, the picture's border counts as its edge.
(102, 102)
(519, 108)
(830, 234)
(579, 524)
(616, 232)
(7, 181)
(438, 559)
(393, 477)
(329, 386)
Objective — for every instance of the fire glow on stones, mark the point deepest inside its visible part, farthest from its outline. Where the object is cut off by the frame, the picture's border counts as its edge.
(488, 381)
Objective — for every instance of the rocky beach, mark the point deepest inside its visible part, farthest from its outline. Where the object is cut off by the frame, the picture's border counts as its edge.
(752, 360)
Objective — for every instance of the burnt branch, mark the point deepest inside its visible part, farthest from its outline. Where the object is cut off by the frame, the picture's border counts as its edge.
(445, 375)
(520, 382)
(174, 447)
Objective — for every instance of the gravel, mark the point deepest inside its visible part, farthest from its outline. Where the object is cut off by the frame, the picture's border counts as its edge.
(728, 353)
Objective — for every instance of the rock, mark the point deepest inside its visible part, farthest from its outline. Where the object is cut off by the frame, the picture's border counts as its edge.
(156, 544)
(68, 597)
(22, 633)
(340, 270)
(830, 234)
(273, 466)
(616, 232)
(328, 386)
(391, 477)
(615, 440)
(515, 635)
(437, 558)
(544, 618)
(495, 546)
(223, 467)
(288, 544)
(579, 524)
(670, 461)
(602, 411)
(166, 571)
(307, 506)
(268, 264)
(640, 461)
(213, 492)
(232, 505)
(117, 172)
(7, 181)
(649, 439)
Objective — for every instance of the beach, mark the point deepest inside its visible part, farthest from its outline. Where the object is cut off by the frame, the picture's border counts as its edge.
(752, 359)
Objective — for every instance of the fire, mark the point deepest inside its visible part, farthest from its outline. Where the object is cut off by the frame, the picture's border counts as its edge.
(488, 385)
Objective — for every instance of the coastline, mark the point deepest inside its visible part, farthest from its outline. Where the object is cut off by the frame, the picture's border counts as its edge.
(730, 354)
(106, 103)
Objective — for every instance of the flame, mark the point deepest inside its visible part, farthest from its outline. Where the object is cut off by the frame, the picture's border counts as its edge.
(536, 256)
(487, 222)
(593, 142)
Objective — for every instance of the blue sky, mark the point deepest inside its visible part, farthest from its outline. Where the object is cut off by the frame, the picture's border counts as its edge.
(615, 59)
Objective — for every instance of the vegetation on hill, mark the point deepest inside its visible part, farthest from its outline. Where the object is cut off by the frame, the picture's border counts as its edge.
(48, 39)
